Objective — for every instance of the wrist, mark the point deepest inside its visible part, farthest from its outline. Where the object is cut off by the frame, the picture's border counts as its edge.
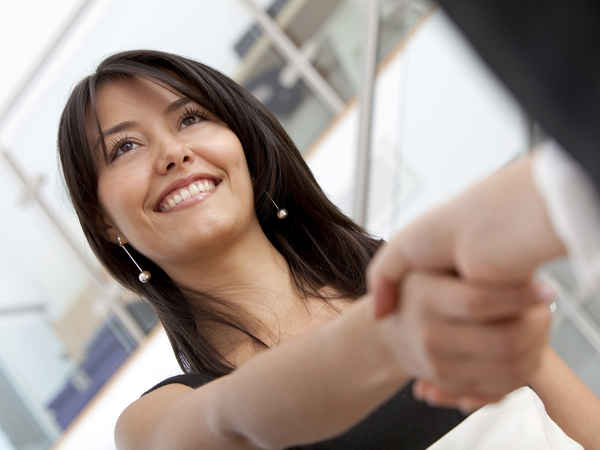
(387, 342)
(504, 233)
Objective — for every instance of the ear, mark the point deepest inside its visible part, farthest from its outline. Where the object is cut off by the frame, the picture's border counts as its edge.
(110, 230)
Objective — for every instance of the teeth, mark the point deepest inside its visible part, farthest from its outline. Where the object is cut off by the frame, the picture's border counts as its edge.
(198, 187)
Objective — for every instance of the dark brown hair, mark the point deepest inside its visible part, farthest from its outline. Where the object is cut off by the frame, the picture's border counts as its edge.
(321, 245)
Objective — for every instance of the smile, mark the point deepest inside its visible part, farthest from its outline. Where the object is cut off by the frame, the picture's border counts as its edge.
(187, 195)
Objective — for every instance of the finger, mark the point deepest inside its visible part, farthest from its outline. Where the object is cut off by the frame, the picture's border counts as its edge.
(456, 299)
(384, 274)
(488, 377)
(389, 263)
(505, 340)
(385, 297)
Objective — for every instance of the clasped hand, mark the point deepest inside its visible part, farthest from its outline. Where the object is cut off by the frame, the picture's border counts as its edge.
(467, 344)
(456, 288)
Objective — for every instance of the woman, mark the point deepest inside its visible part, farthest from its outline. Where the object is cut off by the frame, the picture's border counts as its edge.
(182, 168)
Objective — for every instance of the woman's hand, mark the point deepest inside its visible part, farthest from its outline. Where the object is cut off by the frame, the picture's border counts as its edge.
(473, 343)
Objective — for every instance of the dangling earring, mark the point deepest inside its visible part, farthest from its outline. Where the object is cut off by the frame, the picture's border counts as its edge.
(144, 275)
(281, 213)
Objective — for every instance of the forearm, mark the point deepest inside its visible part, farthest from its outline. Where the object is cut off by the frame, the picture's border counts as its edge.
(508, 233)
(568, 401)
(496, 231)
(311, 388)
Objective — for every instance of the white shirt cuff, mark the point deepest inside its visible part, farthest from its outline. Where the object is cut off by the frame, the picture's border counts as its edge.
(573, 205)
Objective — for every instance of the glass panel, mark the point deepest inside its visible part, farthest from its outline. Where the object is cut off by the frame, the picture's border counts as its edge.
(280, 88)
(59, 342)
(331, 34)
(398, 19)
(28, 52)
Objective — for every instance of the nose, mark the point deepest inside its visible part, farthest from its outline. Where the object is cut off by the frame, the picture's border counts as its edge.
(172, 153)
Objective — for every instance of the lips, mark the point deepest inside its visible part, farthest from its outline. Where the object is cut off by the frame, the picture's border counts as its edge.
(170, 193)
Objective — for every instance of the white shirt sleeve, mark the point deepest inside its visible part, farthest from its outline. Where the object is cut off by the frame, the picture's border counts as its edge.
(519, 421)
(573, 205)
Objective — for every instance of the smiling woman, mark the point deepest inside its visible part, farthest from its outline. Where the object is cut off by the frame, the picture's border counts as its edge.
(137, 108)
(165, 156)
(177, 164)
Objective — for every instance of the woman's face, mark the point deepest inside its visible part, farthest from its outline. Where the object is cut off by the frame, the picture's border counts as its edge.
(176, 184)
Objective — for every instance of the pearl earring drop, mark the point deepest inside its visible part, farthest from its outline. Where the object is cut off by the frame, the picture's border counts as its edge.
(144, 275)
(281, 212)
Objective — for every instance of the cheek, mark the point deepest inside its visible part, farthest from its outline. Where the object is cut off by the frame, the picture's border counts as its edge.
(120, 197)
(228, 154)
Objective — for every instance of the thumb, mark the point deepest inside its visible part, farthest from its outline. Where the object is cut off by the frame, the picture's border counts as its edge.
(383, 277)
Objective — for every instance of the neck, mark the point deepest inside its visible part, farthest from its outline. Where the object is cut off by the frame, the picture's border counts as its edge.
(252, 275)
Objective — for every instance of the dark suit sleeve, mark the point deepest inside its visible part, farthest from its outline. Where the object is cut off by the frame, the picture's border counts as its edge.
(548, 54)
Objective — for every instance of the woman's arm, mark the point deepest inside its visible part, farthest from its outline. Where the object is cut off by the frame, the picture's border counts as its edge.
(307, 389)
(568, 401)
(321, 383)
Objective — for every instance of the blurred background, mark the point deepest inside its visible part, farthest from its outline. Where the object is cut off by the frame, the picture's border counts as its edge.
(388, 103)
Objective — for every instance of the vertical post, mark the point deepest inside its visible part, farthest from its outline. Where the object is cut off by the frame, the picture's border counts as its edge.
(287, 48)
(365, 125)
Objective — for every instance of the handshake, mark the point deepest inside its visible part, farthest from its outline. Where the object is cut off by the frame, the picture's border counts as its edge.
(458, 283)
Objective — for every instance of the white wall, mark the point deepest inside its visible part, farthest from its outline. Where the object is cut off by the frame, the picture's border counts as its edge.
(456, 125)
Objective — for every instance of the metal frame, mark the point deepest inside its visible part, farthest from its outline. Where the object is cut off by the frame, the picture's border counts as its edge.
(365, 124)
(296, 58)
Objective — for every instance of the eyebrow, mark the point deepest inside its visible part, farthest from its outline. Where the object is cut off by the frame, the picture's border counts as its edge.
(132, 124)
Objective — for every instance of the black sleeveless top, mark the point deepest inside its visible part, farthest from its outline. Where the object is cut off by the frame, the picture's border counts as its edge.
(400, 423)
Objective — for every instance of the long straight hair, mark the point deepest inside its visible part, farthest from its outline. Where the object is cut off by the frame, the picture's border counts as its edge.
(321, 245)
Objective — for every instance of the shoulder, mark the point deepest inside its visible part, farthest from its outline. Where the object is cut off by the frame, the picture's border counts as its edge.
(137, 424)
(192, 380)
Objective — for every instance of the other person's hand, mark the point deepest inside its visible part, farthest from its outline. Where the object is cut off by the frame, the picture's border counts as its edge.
(497, 231)
(474, 343)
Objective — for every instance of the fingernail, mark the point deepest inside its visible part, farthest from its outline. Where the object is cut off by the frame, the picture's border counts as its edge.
(546, 292)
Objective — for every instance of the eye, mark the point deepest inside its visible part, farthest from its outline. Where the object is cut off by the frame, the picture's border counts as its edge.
(122, 146)
(191, 116)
